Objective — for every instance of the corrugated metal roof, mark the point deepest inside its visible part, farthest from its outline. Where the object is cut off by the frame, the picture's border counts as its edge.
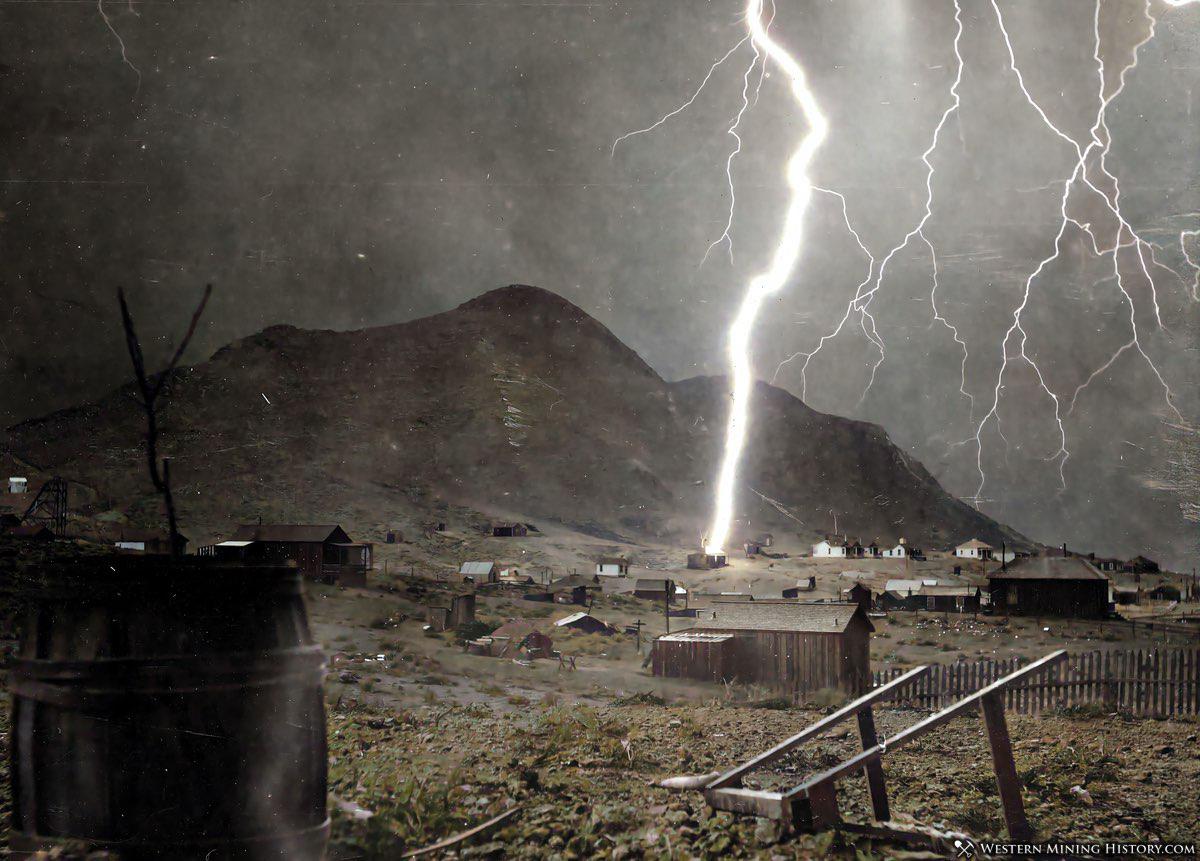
(1049, 568)
(290, 532)
(764, 616)
(235, 544)
(474, 569)
(694, 637)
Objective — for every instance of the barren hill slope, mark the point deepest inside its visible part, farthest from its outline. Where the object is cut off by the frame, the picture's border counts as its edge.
(514, 402)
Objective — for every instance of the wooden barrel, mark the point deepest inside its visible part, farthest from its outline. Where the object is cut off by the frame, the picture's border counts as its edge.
(170, 710)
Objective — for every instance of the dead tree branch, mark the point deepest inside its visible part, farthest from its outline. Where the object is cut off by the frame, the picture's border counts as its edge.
(149, 389)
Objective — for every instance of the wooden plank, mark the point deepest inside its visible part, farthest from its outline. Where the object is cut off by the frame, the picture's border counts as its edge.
(929, 723)
(1007, 782)
(874, 768)
(734, 775)
(750, 801)
(823, 806)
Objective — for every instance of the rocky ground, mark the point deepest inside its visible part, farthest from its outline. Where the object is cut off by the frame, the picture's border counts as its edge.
(585, 779)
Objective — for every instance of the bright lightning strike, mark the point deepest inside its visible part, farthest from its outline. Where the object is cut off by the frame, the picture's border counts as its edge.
(1101, 140)
(770, 281)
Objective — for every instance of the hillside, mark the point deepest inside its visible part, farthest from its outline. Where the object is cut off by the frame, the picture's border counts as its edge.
(516, 403)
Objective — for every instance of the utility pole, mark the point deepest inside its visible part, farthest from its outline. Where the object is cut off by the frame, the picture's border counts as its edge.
(638, 633)
(667, 587)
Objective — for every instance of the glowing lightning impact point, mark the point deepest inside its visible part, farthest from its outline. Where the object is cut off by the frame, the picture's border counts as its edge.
(769, 282)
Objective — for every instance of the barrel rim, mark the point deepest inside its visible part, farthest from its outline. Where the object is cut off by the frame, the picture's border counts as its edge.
(23, 841)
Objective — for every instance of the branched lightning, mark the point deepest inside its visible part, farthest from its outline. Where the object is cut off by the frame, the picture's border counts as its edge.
(1091, 179)
(1100, 143)
(683, 107)
(861, 301)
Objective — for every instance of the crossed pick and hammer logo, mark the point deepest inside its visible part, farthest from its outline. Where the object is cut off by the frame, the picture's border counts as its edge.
(966, 848)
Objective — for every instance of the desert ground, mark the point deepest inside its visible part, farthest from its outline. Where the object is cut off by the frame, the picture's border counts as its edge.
(427, 740)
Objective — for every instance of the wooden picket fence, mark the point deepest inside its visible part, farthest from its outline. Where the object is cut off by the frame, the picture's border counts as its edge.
(1142, 682)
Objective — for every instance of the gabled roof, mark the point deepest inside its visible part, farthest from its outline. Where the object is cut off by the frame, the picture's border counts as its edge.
(612, 560)
(291, 533)
(903, 586)
(567, 621)
(778, 616)
(1049, 568)
(974, 544)
(474, 569)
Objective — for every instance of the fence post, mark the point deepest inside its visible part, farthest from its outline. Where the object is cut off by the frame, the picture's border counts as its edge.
(1007, 782)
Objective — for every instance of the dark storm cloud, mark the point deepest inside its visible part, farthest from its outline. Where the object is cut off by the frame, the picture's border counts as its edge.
(338, 165)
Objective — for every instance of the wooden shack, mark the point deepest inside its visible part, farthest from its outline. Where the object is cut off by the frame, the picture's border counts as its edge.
(509, 530)
(1050, 585)
(951, 599)
(654, 589)
(780, 644)
(860, 594)
(322, 552)
(702, 655)
(704, 561)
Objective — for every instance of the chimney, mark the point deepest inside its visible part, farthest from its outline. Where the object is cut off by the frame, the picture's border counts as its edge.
(1064, 548)
(1003, 557)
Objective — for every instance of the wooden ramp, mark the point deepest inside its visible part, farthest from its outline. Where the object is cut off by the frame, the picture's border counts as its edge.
(813, 804)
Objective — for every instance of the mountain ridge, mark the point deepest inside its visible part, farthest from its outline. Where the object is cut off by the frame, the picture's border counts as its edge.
(516, 400)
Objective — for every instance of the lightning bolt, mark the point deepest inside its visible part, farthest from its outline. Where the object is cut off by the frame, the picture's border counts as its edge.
(786, 254)
(861, 301)
(1101, 140)
(121, 43)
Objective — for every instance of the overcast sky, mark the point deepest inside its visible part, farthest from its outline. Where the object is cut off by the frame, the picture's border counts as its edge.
(339, 165)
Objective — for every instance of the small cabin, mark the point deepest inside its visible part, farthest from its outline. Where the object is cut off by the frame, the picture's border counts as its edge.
(509, 530)
(18, 484)
(703, 560)
(830, 549)
(809, 585)
(974, 549)
(654, 589)
(951, 599)
(612, 566)
(479, 572)
(586, 623)
(783, 645)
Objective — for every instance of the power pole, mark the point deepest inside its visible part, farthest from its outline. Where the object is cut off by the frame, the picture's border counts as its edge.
(638, 633)
(667, 587)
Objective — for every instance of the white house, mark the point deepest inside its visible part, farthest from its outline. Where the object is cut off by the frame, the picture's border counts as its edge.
(612, 566)
(829, 549)
(900, 551)
(973, 549)
(18, 484)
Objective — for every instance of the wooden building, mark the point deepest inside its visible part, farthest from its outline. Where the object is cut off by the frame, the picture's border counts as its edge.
(130, 540)
(781, 644)
(860, 594)
(322, 552)
(974, 549)
(574, 589)
(702, 560)
(586, 623)
(612, 566)
(478, 573)
(809, 585)
(1140, 565)
(654, 589)
(39, 532)
(1051, 585)
(951, 599)
(509, 530)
